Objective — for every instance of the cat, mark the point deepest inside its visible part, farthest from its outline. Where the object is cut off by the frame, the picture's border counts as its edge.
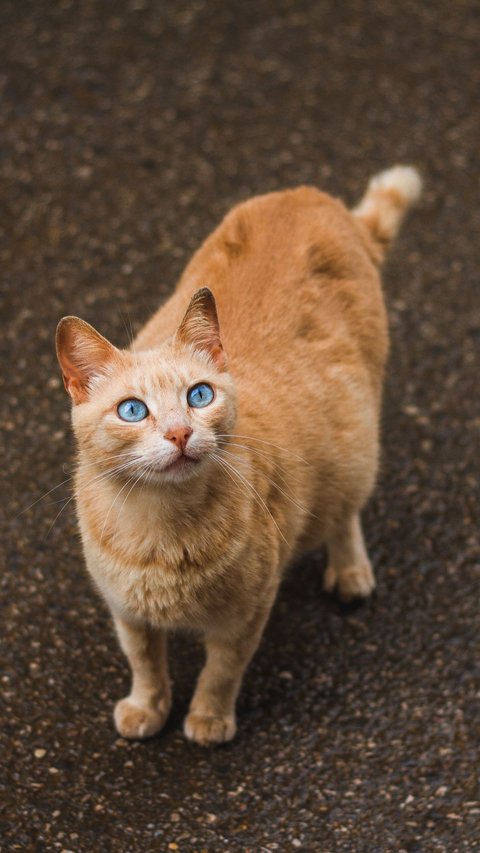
(238, 432)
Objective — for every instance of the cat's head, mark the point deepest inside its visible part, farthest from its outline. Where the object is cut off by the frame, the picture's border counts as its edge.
(157, 415)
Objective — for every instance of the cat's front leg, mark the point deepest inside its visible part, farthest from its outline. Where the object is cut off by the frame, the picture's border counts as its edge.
(144, 711)
(229, 649)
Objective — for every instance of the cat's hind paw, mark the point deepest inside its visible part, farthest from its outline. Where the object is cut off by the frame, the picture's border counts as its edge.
(351, 583)
(209, 730)
(134, 721)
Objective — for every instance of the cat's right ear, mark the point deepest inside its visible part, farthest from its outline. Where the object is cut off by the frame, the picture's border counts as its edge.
(200, 328)
(83, 354)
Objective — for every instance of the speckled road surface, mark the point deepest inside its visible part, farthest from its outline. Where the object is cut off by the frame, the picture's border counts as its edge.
(126, 130)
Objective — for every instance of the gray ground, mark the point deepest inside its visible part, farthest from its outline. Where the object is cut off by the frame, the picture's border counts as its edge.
(127, 129)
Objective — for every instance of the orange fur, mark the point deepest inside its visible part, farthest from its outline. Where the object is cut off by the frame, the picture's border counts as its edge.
(285, 455)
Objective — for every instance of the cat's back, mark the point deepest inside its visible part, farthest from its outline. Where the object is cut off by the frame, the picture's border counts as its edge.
(291, 271)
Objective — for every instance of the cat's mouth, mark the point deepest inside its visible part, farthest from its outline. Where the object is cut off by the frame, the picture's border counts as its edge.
(179, 468)
(181, 462)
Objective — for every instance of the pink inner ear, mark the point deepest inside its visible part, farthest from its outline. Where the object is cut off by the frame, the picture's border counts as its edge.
(200, 328)
(217, 353)
(77, 391)
(201, 335)
(82, 353)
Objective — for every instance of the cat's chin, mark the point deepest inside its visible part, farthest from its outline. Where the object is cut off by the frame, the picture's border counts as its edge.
(181, 469)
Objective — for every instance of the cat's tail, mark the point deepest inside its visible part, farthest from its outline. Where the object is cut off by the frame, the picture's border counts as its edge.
(388, 197)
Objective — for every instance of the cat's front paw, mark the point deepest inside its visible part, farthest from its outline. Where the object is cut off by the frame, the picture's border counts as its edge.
(135, 721)
(356, 581)
(207, 730)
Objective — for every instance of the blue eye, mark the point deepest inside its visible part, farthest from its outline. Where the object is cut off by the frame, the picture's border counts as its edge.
(200, 395)
(132, 411)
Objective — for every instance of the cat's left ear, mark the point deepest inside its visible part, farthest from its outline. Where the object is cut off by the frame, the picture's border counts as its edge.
(83, 353)
(200, 328)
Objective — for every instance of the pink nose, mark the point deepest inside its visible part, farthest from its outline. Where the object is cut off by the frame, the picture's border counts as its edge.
(179, 436)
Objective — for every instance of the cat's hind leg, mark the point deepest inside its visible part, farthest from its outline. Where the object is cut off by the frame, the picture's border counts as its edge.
(349, 571)
(144, 711)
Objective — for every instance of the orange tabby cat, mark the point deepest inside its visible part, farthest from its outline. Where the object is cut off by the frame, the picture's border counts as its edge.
(219, 448)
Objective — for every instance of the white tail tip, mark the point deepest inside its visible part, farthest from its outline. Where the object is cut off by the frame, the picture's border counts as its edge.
(404, 179)
(388, 197)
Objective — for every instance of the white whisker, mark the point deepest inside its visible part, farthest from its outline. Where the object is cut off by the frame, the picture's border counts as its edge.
(289, 497)
(223, 462)
(58, 516)
(45, 495)
(70, 477)
(135, 482)
(263, 455)
(127, 483)
(269, 443)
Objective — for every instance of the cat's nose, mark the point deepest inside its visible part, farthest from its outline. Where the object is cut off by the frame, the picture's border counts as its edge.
(179, 436)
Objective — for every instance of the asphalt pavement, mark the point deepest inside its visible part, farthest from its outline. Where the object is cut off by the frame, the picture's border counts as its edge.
(127, 130)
